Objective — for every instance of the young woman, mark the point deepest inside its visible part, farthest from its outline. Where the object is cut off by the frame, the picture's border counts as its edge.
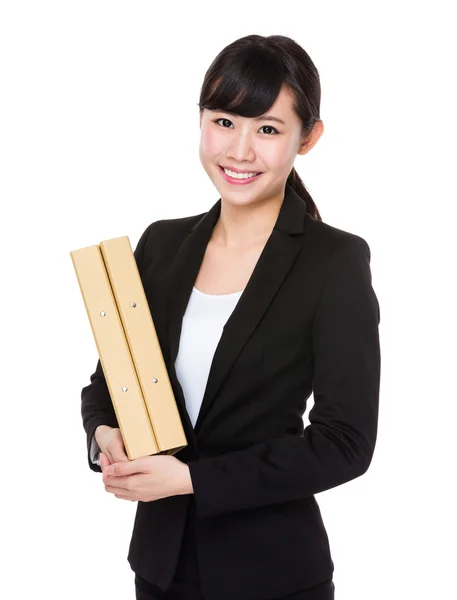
(257, 303)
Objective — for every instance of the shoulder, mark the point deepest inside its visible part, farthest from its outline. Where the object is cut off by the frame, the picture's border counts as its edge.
(176, 226)
(170, 227)
(344, 271)
(329, 241)
(164, 236)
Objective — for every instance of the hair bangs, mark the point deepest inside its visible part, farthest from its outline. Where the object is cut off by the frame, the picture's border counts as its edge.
(247, 86)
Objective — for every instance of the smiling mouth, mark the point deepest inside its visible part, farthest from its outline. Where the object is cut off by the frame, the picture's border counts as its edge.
(230, 179)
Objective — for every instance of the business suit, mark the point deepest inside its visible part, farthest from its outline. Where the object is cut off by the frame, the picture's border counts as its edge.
(306, 322)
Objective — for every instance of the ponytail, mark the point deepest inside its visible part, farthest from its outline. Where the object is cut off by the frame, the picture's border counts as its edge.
(299, 187)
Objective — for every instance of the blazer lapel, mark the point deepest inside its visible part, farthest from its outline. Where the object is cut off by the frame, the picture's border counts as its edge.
(277, 258)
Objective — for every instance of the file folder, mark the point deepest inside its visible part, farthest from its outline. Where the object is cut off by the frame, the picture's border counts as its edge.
(128, 348)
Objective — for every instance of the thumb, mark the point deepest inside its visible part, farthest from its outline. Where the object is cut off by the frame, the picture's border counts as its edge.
(104, 461)
(119, 455)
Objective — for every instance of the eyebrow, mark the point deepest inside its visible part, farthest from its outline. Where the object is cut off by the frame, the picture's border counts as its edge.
(261, 118)
(269, 118)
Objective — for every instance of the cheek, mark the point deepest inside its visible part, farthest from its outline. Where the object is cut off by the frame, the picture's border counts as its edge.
(277, 158)
(209, 145)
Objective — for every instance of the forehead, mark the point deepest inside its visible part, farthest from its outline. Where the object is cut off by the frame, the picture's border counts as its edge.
(283, 105)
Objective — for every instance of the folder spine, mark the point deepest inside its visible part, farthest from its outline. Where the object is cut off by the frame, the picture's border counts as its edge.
(143, 342)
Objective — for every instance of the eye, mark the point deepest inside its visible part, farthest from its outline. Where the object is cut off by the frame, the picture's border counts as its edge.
(221, 119)
(270, 127)
(263, 126)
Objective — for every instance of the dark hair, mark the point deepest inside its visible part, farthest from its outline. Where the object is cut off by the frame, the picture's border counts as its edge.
(246, 77)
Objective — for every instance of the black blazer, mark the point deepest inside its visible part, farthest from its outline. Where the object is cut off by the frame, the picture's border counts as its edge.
(306, 322)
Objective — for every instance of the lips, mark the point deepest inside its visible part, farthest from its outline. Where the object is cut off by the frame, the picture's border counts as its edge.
(240, 180)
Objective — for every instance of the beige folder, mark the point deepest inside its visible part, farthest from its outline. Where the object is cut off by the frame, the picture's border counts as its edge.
(129, 349)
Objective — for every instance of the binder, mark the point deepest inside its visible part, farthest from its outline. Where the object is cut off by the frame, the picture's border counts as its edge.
(129, 349)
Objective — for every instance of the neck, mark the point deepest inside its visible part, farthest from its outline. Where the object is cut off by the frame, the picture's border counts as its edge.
(241, 226)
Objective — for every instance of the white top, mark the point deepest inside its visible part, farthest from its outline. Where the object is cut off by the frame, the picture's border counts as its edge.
(203, 321)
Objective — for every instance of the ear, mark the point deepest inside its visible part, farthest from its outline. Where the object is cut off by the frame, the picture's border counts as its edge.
(312, 138)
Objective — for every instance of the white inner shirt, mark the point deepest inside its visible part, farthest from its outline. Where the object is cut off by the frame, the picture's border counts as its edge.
(204, 319)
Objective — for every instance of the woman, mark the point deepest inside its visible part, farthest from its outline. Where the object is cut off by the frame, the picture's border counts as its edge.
(257, 303)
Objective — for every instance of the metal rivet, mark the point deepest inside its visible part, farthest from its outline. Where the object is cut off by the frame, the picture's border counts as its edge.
(154, 380)
(103, 313)
(124, 389)
(133, 304)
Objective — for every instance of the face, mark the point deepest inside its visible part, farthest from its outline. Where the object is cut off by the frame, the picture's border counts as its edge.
(254, 145)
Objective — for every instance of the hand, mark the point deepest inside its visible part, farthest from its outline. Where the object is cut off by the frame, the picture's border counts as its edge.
(110, 442)
(146, 479)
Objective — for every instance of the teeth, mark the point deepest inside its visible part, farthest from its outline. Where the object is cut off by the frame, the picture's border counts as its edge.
(239, 175)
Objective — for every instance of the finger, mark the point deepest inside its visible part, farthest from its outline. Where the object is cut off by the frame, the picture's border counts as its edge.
(124, 497)
(103, 461)
(120, 456)
(128, 467)
(118, 492)
(121, 485)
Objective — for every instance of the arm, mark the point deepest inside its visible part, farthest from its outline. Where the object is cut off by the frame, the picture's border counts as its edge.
(338, 444)
(96, 405)
(96, 409)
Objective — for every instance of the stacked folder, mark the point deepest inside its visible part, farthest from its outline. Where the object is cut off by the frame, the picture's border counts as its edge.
(128, 347)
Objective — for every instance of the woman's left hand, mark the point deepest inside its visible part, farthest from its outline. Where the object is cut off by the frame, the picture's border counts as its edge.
(146, 479)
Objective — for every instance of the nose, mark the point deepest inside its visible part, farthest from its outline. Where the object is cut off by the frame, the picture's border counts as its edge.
(241, 148)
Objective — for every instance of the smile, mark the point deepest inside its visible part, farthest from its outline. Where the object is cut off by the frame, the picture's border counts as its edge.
(238, 178)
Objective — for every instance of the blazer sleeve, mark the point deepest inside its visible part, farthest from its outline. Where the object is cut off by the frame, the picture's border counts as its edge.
(338, 444)
(96, 405)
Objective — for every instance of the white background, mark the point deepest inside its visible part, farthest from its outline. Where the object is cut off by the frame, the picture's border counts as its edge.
(99, 137)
